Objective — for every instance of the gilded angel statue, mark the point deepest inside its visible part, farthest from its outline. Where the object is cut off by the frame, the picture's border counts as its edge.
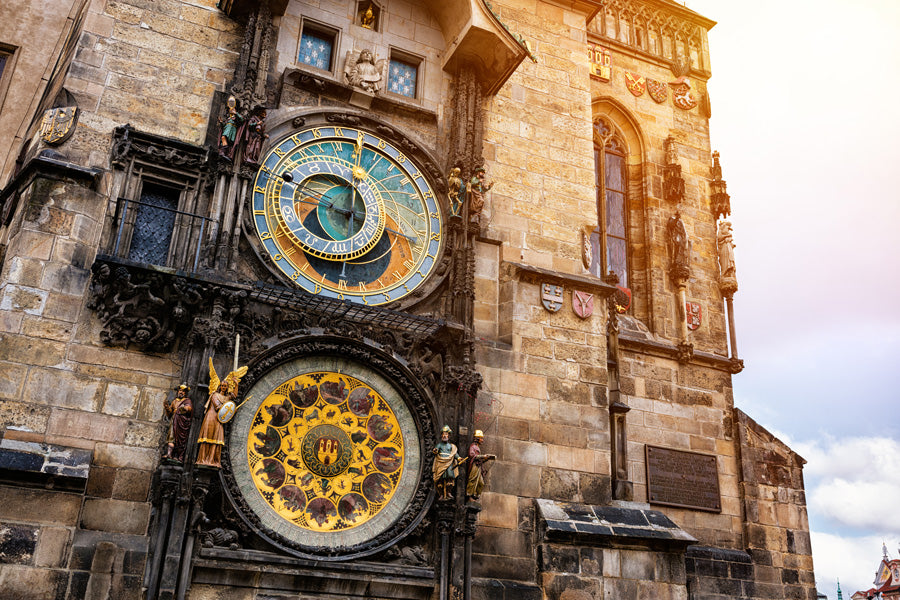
(212, 433)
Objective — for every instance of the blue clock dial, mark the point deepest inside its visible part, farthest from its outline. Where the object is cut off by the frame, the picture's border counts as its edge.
(344, 214)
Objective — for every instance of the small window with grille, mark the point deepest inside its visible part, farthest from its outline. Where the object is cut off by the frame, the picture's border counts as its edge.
(318, 45)
(403, 74)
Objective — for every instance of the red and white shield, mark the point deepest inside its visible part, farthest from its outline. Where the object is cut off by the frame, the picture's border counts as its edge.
(582, 304)
(694, 313)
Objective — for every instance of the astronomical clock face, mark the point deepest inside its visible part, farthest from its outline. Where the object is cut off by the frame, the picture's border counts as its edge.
(344, 214)
(326, 452)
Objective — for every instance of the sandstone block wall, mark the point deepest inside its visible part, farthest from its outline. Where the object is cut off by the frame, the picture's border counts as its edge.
(777, 526)
(154, 64)
(406, 26)
(59, 386)
(35, 31)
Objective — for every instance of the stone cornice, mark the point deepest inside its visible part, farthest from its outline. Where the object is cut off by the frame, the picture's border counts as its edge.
(538, 275)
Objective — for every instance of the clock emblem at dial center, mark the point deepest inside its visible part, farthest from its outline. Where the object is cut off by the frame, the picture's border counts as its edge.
(343, 213)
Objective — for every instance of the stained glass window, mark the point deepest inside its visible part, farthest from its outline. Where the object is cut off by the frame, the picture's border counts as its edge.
(402, 78)
(3, 58)
(316, 49)
(609, 243)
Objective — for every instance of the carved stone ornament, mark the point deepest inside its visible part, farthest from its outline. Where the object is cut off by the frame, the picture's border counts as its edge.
(658, 90)
(551, 296)
(363, 71)
(682, 95)
(679, 249)
(719, 200)
(464, 379)
(635, 83)
(128, 144)
(582, 304)
(694, 315)
(673, 182)
(587, 252)
(725, 248)
(58, 124)
(685, 352)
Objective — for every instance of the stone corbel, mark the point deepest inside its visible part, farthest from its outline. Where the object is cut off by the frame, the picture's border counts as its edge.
(476, 37)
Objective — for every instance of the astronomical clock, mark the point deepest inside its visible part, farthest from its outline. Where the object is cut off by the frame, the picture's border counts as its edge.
(329, 455)
(342, 212)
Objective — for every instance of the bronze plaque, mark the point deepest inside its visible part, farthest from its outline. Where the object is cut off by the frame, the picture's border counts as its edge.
(683, 479)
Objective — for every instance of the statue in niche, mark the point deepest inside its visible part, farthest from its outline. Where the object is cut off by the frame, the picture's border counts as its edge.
(476, 189)
(253, 134)
(367, 18)
(725, 243)
(212, 433)
(179, 409)
(477, 467)
(679, 248)
(444, 468)
(364, 72)
(229, 127)
(454, 185)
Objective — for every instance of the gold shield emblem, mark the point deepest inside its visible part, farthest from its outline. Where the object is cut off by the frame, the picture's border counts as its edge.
(58, 124)
(328, 450)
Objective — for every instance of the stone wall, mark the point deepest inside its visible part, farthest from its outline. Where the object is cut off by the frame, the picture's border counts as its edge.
(685, 407)
(154, 65)
(544, 405)
(776, 523)
(59, 386)
(37, 31)
(404, 25)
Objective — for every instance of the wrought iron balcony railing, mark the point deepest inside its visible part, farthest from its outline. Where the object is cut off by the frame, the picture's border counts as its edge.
(154, 233)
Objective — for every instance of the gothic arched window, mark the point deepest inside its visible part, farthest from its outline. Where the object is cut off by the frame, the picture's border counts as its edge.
(609, 242)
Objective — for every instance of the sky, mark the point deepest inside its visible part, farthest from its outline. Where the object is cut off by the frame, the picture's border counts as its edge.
(805, 99)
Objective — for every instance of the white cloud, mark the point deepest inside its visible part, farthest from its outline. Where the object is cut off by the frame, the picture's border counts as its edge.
(853, 489)
(855, 482)
(852, 560)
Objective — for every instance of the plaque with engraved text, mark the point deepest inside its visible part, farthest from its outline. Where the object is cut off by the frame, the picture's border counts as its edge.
(683, 479)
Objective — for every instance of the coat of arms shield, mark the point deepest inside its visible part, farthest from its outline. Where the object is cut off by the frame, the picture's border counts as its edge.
(582, 304)
(635, 83)
(551, 296)
(58, 124)
(658, 90)
(694, 314)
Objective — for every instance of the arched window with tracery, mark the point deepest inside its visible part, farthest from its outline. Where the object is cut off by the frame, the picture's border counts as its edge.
(609, 242)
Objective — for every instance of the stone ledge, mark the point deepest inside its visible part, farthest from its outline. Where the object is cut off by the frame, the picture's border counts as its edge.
(725, 554)
(40, 464)
(268, 572)
(501, 589)
(538, 275)
(52, 168)
(609, 525)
